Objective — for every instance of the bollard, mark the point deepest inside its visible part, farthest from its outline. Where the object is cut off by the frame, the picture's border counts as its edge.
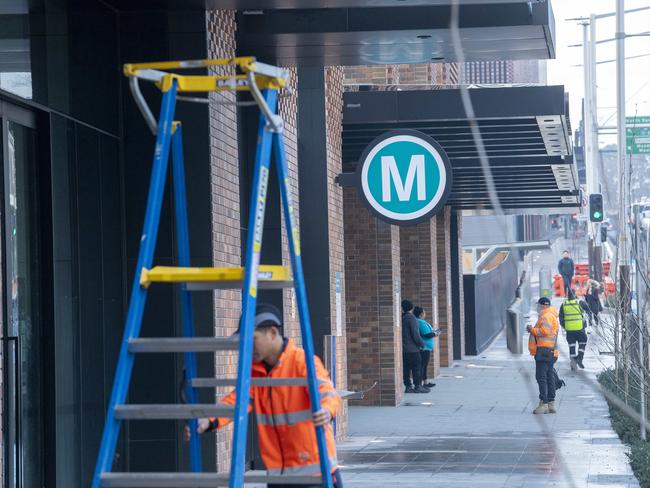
(545, 282)
(513, 328)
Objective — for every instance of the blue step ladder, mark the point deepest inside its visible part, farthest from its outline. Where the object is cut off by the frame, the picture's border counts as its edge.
(263, 82)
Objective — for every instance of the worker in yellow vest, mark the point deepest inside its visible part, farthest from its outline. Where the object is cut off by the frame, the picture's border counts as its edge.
(573, 321)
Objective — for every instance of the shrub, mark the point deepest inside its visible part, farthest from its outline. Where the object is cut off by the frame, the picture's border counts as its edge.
(628, 430)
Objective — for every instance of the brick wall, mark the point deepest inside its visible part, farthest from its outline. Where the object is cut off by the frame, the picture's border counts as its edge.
(288, 109)
(419, 270)
(334, 118)
(407, 74)
(225, 205)
(443, 222)
(372, 278)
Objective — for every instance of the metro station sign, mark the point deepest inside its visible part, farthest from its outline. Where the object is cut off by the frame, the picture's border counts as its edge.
(404, 177)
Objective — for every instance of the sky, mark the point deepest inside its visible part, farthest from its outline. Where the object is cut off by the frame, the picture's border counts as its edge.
(563, 69)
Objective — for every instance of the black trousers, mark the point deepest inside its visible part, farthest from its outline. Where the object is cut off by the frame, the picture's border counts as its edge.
(336, 478)
(425, 356)
(545, 380)
(577, 340)
(567, 283)
(593, 317)
(412, 366)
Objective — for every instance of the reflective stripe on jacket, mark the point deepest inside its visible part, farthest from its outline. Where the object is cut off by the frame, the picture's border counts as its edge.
(545, 331)
(571, 315)
(287, 436)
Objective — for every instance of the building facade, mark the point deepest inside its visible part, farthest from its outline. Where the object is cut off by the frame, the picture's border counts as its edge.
(76, 156)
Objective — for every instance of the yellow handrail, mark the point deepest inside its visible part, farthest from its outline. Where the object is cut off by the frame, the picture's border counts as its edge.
(266, 76)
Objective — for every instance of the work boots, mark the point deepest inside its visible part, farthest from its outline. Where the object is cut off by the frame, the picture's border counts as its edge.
(574, 365)
(551, 407)
(541, 408)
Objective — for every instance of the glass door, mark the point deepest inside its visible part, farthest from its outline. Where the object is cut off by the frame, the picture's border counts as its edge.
(23, 458)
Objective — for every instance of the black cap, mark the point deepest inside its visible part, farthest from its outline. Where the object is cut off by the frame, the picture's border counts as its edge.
(544, 301)
(407, 306)
(266, 315)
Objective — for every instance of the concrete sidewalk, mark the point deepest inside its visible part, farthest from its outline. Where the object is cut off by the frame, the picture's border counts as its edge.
(476, 429)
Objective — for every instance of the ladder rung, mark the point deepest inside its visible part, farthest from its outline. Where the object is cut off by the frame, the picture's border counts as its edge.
(172, 411)
(270, 277)
(214, 382)
(198, 480)
(184, 344)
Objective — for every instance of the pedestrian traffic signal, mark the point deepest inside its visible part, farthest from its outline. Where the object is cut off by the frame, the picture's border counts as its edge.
(603, 233)
(596, 213)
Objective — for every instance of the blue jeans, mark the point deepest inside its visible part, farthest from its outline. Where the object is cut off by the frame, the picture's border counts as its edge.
(545, 380)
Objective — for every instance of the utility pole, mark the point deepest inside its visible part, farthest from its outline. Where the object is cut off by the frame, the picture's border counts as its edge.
(621, 333)
(640, 319)
(588, 134)
(595, 151)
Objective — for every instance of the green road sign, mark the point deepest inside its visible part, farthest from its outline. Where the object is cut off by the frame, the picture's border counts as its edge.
(404, 177)
(637, 138)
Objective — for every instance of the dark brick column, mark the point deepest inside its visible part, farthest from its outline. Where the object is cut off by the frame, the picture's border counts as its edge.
(372, 282)
(419, 270)
(443, 237)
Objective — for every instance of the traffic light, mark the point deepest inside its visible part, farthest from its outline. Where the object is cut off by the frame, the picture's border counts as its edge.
(603, 233)
(596, 213)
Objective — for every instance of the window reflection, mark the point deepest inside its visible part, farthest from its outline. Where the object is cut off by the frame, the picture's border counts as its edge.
(15, 58)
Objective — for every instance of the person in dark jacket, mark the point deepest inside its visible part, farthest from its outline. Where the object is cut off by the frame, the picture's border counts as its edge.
(566, 268)
(593, 302)
(412, 344)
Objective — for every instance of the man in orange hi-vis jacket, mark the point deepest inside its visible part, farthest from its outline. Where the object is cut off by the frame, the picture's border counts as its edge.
(542, 344)
(285, 422)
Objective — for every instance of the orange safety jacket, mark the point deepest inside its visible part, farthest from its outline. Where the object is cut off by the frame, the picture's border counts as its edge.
(545, 332)
(287, 436)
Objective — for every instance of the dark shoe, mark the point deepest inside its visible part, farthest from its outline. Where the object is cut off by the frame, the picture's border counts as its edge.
(410, 389)
(579, 361)
(429, 385)
(422, 389)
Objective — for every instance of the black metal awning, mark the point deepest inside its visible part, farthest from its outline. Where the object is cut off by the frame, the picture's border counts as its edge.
(406, 32)
(525, 131)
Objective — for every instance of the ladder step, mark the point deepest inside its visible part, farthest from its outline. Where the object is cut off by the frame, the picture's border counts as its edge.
(172, 411)
(270, 277)
(197, 480)
(184, 344)
(214, 382)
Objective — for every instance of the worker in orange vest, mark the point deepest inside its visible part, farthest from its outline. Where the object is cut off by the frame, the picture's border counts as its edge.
(542, 344)
(285, 422)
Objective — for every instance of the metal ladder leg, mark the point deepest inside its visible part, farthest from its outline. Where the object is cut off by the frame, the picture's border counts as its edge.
(249, 293)
(183, 242)
(301, 296)
(138, 293)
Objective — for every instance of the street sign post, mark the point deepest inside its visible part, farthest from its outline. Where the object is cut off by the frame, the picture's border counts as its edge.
(637, 138)
(404, 177)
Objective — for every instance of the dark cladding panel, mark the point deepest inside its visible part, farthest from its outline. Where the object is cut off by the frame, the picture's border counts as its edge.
(312, 154)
